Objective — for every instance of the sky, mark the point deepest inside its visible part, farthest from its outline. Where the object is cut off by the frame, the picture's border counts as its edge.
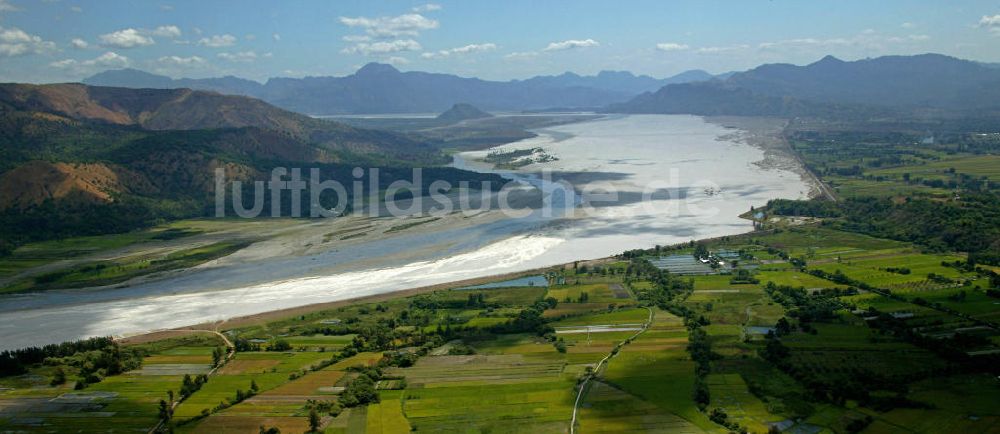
(68, 40)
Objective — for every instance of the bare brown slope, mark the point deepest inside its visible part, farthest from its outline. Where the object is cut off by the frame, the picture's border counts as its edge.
(37, 181)
(185, 109)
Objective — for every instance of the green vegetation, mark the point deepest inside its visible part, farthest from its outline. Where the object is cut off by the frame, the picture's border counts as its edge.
(837, 337)
(940, 191)
(112, 271)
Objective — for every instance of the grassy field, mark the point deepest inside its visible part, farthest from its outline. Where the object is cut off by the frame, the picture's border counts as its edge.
(509, 359)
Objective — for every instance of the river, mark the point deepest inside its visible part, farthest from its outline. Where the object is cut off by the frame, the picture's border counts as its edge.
(675, 177)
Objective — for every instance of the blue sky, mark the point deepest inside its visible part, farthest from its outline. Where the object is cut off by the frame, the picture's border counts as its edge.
(66, 40)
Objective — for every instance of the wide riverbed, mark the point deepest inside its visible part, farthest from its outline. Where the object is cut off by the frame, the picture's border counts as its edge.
(676, 178)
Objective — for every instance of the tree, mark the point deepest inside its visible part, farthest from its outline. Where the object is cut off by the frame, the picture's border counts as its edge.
(217, 354)
(253, 386)
(782, 327)
(165, 412)
(700, 251)
(280, 345)
(314, 420)
(59, 376)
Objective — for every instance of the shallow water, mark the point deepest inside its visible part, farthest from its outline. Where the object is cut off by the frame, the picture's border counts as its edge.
(697, 185)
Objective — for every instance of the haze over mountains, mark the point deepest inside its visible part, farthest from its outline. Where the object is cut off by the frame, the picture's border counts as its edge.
(830, 86)
(380, 88)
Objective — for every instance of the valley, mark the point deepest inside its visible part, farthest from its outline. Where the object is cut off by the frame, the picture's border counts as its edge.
(487, 217)
(298, 263)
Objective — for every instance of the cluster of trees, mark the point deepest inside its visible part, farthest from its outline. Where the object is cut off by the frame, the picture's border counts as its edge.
(806, 307)
(970, 223)
(191, 385)
(954, 348)
(218, 354)
(743, 276)
(361, 390)
(93, 359)
(245, 345)
(279, 345)
(16, 362)
(720, 417)
(54, 220)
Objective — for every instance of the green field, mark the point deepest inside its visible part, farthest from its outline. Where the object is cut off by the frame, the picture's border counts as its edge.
(510, 359)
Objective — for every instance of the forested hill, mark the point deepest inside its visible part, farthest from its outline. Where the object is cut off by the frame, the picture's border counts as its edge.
(77, 159)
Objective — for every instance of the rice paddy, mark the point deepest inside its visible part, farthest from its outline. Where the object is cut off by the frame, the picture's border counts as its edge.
(485, 375)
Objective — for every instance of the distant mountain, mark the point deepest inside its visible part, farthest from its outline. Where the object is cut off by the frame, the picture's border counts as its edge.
(101, 142)
(78, 159)
(136, 79)
(617, 81)
(185, 109)
(460, 112)
(897, 83)
(379, 88)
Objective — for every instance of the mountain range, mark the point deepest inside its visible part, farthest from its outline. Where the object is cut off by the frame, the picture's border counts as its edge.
(830, 86)
(78, 159)
(380, 88)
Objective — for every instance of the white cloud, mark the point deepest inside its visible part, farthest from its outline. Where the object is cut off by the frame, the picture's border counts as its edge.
(63, 64)
(865, 40)
(126, 38)
(571, 44)
(471, 48)
(720, 50)
(385, 27)
(79, 44)
(167, 31)
(521, 55)
(427, 7)
(250, 36)
(671, 46)
(166, 8)
(991, 23)
(793, 43)
(5, 6)
(382, 47)
(17, 42)
(181, 61)
(907, 25)
(217, 41)
(276, 37)
(109, 59)
(76, 9)
(356, 38)
(397, 60)
(242, 56)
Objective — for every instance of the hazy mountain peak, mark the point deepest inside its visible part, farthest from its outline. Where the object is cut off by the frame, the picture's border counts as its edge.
(375, 68)
(616, 74)
(828, 60)
(461, 112)
(899, 83)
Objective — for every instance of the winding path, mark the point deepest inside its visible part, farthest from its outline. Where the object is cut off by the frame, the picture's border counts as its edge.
(230, 352)
(600, 365)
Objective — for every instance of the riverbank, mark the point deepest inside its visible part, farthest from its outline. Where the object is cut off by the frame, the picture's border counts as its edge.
(698, 181)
